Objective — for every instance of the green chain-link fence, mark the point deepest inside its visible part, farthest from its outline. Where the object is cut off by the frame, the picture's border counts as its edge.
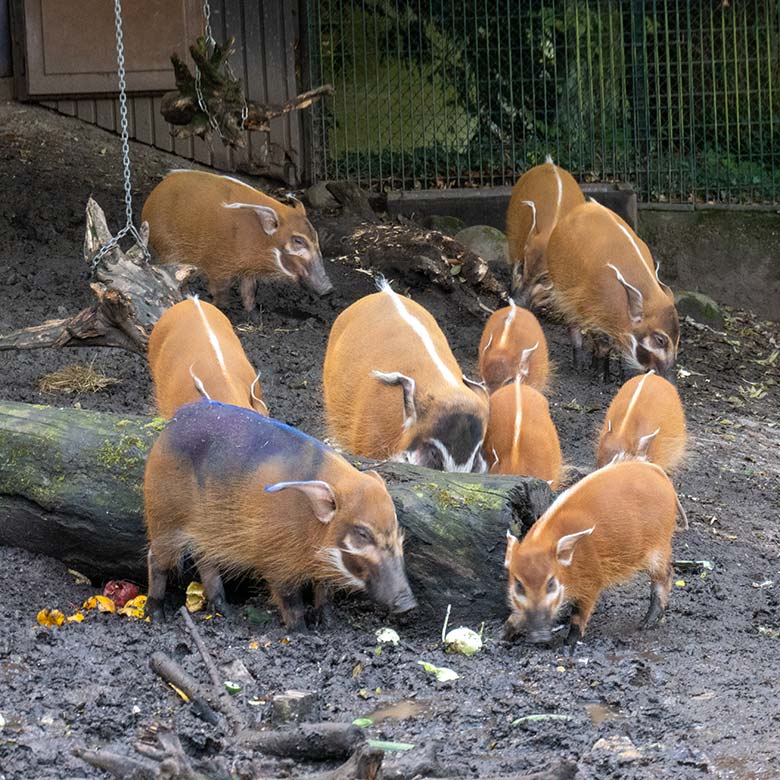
(680, 99)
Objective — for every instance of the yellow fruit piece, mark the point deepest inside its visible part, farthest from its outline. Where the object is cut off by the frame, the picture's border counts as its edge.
(180, 692)
(103, 604)
(50, 617)
(134, 608)
(196, 598)
(75, 618)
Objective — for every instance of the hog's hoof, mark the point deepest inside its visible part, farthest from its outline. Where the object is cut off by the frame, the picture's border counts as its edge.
(509, 632)
(221, 607)
(155, 610)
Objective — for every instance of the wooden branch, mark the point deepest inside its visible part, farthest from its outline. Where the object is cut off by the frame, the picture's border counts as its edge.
(70, 487)
(204, 703)
(306, 741)
(131, 295)
(226, 704)
(364, 764)
(223, 97)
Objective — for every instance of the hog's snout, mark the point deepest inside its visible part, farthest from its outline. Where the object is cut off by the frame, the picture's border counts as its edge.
(537, 627)
(390, 588)
(316, 280)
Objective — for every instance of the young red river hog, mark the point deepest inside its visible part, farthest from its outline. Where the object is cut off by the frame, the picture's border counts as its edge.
(614, 523)
(605, 283)
(513, 344)
(229, 229)
(521, 437)
(193, 345)
(542, 196)
(644, 421)
(245, 493)
(393, 388)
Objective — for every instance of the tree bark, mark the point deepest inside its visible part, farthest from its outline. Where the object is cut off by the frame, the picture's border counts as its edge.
(71, 487)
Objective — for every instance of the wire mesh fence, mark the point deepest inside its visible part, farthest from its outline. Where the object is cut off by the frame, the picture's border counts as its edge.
(680, 99)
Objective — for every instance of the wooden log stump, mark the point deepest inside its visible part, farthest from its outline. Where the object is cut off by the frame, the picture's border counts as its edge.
(70, 487)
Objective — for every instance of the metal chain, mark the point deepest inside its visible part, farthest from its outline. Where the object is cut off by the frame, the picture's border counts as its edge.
(129, 227)
(209, 38)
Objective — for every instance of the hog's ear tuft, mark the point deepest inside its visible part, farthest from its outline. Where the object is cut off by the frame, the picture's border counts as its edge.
(511, 543)
(320, 495)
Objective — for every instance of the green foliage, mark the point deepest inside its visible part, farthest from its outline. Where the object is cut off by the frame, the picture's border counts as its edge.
(682, 100)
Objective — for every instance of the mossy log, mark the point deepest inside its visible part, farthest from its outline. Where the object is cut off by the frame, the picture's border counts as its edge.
(71, 488)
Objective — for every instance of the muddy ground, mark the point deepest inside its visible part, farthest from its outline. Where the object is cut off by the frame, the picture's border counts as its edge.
(697, 695)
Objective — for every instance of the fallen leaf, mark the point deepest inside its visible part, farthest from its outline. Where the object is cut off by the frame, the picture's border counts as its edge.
(390, 747)
(50, 617)
(79, 578)
(180, 692)
(364, 723)
(196, 597)
(441, 673)
(539, 716)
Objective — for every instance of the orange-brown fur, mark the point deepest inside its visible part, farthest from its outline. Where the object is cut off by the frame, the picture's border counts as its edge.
(631, 507)
(237, 526)
(554, 192)
(508, 332)
(521, 434)
(591, 297)
(633, 415)
(189, 223)
(194, 337)
(367, 416)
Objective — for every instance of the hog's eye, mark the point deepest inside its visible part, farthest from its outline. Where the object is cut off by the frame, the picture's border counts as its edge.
(519, 589)
(659, 340)
(298, 242)
(552, 584)
(363, 534)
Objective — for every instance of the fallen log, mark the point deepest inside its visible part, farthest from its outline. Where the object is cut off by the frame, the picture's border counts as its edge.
(70, 488)
(131, 295)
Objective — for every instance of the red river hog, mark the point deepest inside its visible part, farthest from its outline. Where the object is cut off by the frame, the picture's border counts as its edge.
(393, 388)
(612, 524)
(245, 493)
(521, 437)
(541, 197)
(228, 230)
(194, 345)
(645, 421)
(605, 283)
(512, 345)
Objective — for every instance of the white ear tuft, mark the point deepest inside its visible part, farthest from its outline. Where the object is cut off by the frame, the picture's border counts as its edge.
(319, 493)
(511, 542)
(566, 545)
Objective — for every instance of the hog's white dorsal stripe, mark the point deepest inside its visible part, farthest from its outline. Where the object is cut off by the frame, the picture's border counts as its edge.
(518, 420)
(420, 332)
(212, 337)
(560, 191)
(215, 175)
(632, 403)
(510, 318)
(538, 526)
(634, 244)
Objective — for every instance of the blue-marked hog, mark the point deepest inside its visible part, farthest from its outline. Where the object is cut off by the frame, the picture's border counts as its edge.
(244, 493)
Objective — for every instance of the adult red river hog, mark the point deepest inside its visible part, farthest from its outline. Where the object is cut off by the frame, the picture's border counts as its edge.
(605, 283)
(229, 229)
(521, 437)
(192, 346)
(541, 197)
(612, 524)
(245, 493)
(393, 388)
(644, 421)
(513, 344)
